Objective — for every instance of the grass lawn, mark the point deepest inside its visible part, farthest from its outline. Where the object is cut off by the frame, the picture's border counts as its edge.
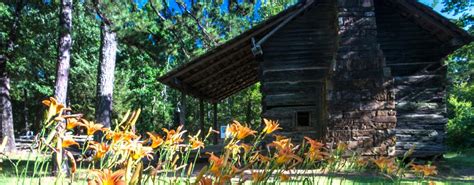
(310, 180)
(458, 165)
(456, 168)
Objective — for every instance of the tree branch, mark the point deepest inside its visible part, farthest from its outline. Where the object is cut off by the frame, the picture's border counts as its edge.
(173, 32)
(107, 21)
(203, 29)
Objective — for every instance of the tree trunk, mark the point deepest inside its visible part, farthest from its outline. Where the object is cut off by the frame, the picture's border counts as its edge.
(64, 51)
(6, 116)
(6, 106)
(214, 124)
(105, 77)
(201, 117)
(62, 67)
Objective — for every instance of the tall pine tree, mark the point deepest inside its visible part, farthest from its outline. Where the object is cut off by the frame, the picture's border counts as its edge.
(64, 51)
(106, 70)
(6, 115)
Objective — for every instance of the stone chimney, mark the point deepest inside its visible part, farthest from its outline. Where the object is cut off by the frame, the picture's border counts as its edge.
(361, 101)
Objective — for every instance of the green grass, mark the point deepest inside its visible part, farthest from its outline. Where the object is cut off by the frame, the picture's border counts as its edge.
(458, 165)
(463, 158)
(455, 161)
(310, 180)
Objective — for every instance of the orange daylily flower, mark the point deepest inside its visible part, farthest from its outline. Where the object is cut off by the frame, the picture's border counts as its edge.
(239, 131)
(279, 144)
(285, 151)
(67, 142)
(216, 163)
(416, 168)
(107, 177)
(257, 177)
(316, 155)
(426, 170)
(386, 164)
(128, 136)
(261, 158)
(205, 181)
(225, 179)
(341, 147)
(284, 177)
(233, 148)
(285, 157)
(315, 152)
(73, 123)
(382, 162)
(55, 107)
(270, 126)
(62, 117)
(233, 128)
(112, 135)
(100, 148)
(156, 140)
(391, 168)
(91, 127)
(362, 162)
(234, 170)
(174, 136)
(116, 136)
(244, 132)
(139, 151)
(73, 161)
(196, 143)
(279, 137)
(246, 147)
(214, 159)
(314, 144)
(429, 170)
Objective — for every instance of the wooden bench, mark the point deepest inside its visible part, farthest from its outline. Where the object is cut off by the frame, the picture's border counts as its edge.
(26, 142)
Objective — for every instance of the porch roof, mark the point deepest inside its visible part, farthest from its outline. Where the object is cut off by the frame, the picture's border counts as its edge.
(226, 69)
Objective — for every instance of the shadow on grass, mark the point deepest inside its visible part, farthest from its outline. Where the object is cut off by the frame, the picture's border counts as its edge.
(464, 158)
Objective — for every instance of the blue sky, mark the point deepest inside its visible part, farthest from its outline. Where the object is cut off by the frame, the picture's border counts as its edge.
(440, 6)
(174, 6)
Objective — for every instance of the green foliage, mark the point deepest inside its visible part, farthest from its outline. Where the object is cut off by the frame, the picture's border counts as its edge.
(460, 128)
(153, 39)
(85, 58)
(457, 6)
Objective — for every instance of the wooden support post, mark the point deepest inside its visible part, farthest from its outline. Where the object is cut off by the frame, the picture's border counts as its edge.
(248, 114)
(201, 116)
(216, 136)
(182, 113)
(25, 110)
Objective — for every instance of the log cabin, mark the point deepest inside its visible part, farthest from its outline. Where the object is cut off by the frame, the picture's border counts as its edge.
(369, 73)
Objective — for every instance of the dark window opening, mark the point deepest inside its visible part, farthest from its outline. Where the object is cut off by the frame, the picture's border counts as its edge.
(303, 119)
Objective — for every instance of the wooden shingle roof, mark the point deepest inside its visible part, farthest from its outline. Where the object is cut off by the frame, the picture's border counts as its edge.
(232, 66)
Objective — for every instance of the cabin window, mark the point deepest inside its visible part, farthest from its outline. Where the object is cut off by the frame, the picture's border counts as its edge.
(303, 119)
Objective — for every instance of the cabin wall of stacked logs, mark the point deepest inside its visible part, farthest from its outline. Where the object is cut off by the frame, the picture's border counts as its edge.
(407, 47)
(421, 113)
(419, 81)
(294, 70)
